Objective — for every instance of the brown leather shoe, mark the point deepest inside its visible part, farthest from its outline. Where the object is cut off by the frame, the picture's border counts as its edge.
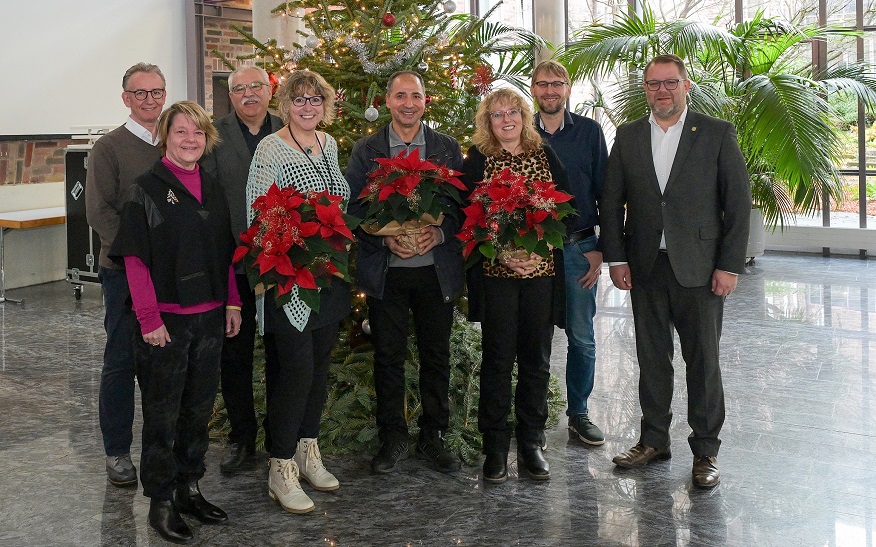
(640, 455)
(705, 472)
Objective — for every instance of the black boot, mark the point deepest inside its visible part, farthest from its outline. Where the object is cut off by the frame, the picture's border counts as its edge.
(496, 467)
(530, 458)
(164, 517)
(188, 500)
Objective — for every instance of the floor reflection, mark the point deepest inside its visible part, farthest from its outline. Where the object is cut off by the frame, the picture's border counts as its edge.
(798, 461)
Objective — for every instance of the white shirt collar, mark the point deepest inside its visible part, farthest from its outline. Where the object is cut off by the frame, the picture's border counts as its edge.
(140, 132)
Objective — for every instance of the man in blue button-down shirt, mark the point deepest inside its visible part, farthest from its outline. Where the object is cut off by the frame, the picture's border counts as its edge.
(580, 144)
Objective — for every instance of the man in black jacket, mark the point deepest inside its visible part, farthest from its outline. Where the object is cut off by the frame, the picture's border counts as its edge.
(396, 279)
(241, 131)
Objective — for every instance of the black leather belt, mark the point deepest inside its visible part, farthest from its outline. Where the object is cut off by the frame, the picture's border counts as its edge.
(575, 237)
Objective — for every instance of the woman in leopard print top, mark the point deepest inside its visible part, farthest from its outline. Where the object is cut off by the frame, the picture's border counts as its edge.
(518, 302)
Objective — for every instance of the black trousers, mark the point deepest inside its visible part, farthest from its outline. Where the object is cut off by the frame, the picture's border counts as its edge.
(416, 290)
(659, 304)
(517, 325)
(237, 358)
(178, 387)
(296, 373)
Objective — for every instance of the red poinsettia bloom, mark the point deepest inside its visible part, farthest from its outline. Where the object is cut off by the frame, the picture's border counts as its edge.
(405, 188)
(296, 241)
(508, 211)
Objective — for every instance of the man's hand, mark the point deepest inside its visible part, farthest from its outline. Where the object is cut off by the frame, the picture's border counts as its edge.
(397, 248)
(723, 283)
(158, 337)
(592, 276)
(430, 237)
(620, 276)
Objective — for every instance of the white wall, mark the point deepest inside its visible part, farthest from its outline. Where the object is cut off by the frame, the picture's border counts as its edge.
(63, 61)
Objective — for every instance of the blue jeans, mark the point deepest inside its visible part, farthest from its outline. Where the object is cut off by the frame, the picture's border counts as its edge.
(580, 309)
(117, 379)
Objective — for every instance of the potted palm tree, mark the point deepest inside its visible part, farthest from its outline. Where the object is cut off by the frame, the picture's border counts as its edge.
(755, 75)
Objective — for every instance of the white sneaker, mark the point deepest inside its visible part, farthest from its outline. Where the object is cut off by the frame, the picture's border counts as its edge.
(311, 468)
(284, 488)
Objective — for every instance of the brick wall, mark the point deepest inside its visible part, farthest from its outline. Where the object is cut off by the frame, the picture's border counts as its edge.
(29, 162)
(219, 35)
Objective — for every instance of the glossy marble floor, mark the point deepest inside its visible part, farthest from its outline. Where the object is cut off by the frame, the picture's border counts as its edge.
(798, 461)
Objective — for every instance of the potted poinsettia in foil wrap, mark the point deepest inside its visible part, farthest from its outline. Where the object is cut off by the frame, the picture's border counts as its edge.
(298, 240)
(405, 194)
(510, 217)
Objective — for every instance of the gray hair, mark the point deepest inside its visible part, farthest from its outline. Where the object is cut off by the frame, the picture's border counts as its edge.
(141, 67)
(241, 68)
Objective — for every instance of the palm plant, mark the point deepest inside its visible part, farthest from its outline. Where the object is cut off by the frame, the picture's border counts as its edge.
(753, 75)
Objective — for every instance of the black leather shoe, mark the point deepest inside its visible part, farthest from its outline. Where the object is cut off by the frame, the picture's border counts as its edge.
(188, 500)
(237, 457)
(388, 456)
(164, 517)
(431, 448)
(496, 467)
(530, 458)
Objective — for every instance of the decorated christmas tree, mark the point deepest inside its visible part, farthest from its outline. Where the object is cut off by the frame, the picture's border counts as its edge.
(357, 45)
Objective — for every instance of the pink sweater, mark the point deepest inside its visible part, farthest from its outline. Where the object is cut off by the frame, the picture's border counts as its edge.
(146, 305)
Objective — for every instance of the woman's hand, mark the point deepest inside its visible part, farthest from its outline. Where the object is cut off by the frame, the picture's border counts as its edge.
(232, 322)
(158, 337)
(523, 267)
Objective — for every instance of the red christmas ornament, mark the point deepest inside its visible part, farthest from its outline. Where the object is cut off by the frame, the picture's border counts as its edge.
(428, 99)
(376, 102)
(274, 81)
(388, 20)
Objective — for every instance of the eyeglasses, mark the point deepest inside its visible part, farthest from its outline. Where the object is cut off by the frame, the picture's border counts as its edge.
(670, 85)
(140, 94)
(541, 84)
(239, 89)
(316, 100)
(499, 114)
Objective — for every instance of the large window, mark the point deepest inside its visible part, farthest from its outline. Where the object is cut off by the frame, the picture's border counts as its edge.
(859, 176)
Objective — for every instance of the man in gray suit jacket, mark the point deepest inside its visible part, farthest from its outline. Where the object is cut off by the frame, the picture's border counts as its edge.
(241, 131)
(675, 212)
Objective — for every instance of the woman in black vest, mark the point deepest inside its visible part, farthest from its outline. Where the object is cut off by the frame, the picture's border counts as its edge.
(176, 245)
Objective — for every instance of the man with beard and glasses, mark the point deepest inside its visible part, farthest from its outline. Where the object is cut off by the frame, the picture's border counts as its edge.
(241, 131)
(675, 212)
(580, 145)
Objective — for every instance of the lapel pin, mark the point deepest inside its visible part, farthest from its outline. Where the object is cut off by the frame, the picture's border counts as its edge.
(171, 198)
(694, 128)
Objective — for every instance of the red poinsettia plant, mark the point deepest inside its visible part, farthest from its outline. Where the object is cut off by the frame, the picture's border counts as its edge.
(405, 194)
(296, 239)
(508, 213)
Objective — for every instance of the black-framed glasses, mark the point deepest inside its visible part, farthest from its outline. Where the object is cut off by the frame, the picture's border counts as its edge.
(316, 100)
(499, 114)
(542, 84)
(669, 85)
(240, 89)
(140, 94)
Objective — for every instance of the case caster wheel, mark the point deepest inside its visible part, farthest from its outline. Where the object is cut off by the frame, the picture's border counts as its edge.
(77, 292)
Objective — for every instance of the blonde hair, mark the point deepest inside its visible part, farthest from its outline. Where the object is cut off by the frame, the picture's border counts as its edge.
(483, 136)
(300, 82)
(197, 114)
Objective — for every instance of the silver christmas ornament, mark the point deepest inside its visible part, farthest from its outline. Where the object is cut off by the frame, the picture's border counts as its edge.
(371, 114)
